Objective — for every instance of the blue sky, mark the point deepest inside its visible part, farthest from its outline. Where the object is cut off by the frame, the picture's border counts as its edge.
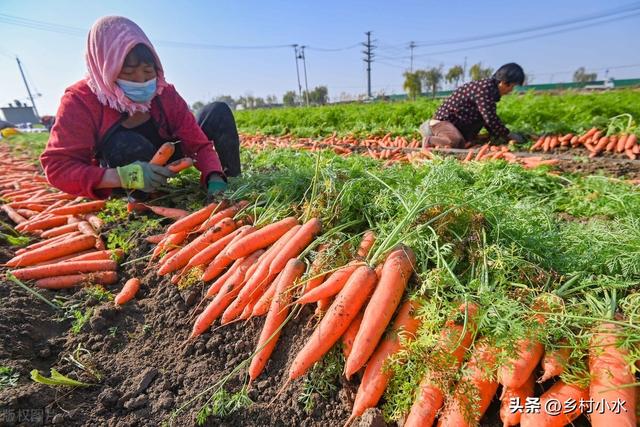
(55, 60)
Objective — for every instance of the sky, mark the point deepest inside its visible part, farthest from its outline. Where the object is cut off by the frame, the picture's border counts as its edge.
(188, 34)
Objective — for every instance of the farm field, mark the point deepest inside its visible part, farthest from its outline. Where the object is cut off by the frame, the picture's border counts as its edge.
(483, 264)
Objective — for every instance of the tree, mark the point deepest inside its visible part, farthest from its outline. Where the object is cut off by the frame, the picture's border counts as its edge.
(477, 72)
(289, 98)
(454, 75)
(432, 78)
(197, 106)
(227, 99)
(581, 76)
(412, 84)
(271, 100)
(319, 95)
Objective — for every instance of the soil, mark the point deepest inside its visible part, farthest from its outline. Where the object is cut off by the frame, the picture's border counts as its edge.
(149, 367)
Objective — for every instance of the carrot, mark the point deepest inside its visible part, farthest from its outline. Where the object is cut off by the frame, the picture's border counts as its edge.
(13, 215)
(218, 246)
(612, 379)
(377, 375)
(227, 293)
(45, 242)
(334, 283)
(474, 392)
(261, 307)
(172, 213)
(296, 245)
(554, 142)
(602, 143)
(81, 208)
(58, 231)
(554, 362)
(217, 216)
(368, 240)
(114, 254)
(261, 238)
(259, 279)
(26, 213)
(196, 218)
(613, 143)
(85, 228)
(128, 291)
(43, 224)
(561, 393)
(508, 416)
(95, 222)
(630, 154)
(220, 281)
(632, 140)
(64, 268)
(547, 144)
(395, 275)
(155, 239)
(164, 153)
(58, 249)
(481, 152)
(333, 325)
(182, 257)
(455, 340)
(350, 334)
(278, 312)
(171, 241)
(62, 282)
(180, 164)
(314, 273)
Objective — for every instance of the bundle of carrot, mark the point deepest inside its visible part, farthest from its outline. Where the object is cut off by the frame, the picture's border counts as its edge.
(594, 140)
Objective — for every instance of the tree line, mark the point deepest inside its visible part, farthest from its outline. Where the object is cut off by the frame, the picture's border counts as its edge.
(317, 96)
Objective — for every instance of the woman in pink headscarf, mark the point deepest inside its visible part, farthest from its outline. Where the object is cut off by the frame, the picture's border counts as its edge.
(110, 124)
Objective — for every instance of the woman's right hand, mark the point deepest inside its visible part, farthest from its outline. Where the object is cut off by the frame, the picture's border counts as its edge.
(143, 176)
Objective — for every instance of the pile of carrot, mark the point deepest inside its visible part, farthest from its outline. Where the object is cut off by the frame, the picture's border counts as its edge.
(494, 152)
(595, 141)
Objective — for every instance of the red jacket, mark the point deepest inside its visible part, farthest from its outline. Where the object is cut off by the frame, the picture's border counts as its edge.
(81, 121)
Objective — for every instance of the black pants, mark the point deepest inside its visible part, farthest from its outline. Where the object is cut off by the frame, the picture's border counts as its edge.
(124, 146)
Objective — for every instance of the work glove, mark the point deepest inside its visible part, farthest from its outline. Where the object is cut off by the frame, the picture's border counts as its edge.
(519, 139)
(143, 176)
(216, 186)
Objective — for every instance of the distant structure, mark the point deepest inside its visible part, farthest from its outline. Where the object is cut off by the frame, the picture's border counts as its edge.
(19, 113)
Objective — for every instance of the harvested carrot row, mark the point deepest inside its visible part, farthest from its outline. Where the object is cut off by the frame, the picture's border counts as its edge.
(58, 249)
(65, 268)
(62, 282)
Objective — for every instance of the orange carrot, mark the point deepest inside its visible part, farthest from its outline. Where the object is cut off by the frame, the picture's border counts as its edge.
(114, 254)
(261, 238)
(314, 273)
(62, 282)
(560, 393)
(128, 291)
(474, 392)
(95, 222)
(81, 208)
(224, 297)
(377, 374)
(554, 362)
(508, 414)
(395, 275)
(172, 213)
(220, 281)
(43, 224)
(612, 379)
(196, 218)
(58, 249)
(261, 306)
(64, 268)
(333, 325)
(455, 340)
(632, 140)
(13, 215)
(170, 242)
(368, 240)
(58, 231)
(85, 228)
(296, 245)
(182, 257)
(155, 239)
(350, 334)
(180, 164)
(334, 283)
(278, 312)
(218, 246)
(164, 153)
(220, 214)
(481, 152)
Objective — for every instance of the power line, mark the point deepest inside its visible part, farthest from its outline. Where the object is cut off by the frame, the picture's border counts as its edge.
(368, 60)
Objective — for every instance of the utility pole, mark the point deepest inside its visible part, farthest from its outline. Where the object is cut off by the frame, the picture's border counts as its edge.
(368, 59)
(33, 104)
(412, 46)
(304, 65)
(295, 52)
(464, 70)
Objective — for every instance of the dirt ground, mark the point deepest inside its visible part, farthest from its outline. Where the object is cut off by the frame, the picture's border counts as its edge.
(150, 369)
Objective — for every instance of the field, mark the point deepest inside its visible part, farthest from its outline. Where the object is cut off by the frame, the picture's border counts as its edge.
(515, 257)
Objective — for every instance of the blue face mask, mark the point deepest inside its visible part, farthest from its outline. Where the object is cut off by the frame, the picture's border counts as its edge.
(138, 92)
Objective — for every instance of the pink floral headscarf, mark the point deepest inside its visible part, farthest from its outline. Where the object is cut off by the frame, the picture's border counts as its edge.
(110, 40)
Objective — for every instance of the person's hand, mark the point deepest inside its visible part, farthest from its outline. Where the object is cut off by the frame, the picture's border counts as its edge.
(519, 139)
(143, 176)
(215, 186)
